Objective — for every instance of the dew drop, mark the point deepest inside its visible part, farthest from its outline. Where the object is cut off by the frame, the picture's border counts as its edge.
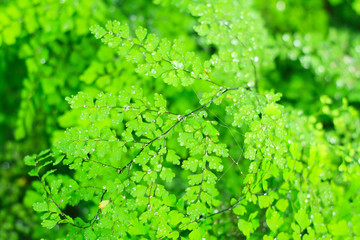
(286, 37)
(297, 43)
(177, 65)
(280, 6)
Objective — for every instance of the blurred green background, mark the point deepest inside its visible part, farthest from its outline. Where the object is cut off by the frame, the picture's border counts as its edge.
(47, 53)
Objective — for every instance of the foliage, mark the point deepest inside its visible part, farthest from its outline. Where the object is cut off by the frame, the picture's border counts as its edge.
(226, 121)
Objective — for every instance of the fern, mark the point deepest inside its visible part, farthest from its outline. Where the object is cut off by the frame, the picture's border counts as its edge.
(143, 170)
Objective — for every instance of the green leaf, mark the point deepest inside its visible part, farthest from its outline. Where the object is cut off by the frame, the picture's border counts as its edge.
(339, 228)
(33, 173)
(141, 33)
(196, 210)
(175, 217)
(47, 174)
(273, 220)
(265, 201)
(137, 176)
(202, 29)
(250, 153)
(253, 215)
(296, 227)
(30, 160)
(89, 234)
(245, 227)
(318, 221)
(282, 204)
(151, 42)
(40, 206)
(138, 191)
(98, 31)
(136, 228)
(172, 157)
(180, 205)
(214, 163)
(272, 110)
(163, 229)
(58, 159)
(121, 29)
(172, 79)
(190, 164)
(195, 234)
(302, 218)
(195, 179)
(160, 102)
(142, 159)
(43, 153)
(170, 200)
(266, 237)
(239, 210)
(173, 235)
(167, 174)
(49, 224)
(283, 236)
